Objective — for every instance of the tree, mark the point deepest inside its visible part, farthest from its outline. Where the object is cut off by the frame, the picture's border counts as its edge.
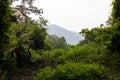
(115, 23)
(19, 35)
(5, 14)
(25, 36)
(115, 10)
(26, 7)
(99, 35)
(38, 38)
(16, 35)
(57, 42)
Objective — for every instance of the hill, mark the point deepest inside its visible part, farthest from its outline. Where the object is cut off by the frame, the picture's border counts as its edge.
(71, 37)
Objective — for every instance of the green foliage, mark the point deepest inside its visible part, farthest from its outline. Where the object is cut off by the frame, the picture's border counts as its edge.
(38, 38)
(36, 55)
(25, 42)
(25, 36)
(74, 71)
(22, 34)
(116, 9)
(115, 24)
(57, 42)
(79, 53)
(100, 35)
(85, 53)
(5, 14)
(91, 53)
(44, 74)
(57, 53)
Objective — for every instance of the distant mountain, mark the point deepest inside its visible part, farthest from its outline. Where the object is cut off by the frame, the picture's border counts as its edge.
(71, 37)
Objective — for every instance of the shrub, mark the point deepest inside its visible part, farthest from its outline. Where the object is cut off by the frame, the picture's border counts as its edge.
(74, 71)
(57, 53)
(80, 53)
(45, 74)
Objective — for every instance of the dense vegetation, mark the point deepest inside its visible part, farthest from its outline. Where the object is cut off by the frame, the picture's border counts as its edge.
(27, 52)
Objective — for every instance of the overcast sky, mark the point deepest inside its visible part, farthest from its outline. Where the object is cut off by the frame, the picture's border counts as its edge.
(75, 15)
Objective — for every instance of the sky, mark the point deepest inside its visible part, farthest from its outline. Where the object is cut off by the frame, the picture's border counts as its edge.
(75, 15)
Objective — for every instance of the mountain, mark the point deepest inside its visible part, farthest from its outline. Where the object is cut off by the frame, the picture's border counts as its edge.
(71, 37)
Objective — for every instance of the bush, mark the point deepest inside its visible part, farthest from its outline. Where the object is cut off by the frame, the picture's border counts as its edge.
(45, 74)
(81, 53)
(74, 71)
(85, 53)
(57, 53)
(112, 61)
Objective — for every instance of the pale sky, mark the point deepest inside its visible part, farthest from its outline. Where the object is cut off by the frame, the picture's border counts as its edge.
(75, 15)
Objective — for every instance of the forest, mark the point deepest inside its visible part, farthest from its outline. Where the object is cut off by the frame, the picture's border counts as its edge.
(28, 52)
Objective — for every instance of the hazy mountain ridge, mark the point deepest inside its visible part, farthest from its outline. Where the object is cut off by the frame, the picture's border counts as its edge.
(71, 37)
